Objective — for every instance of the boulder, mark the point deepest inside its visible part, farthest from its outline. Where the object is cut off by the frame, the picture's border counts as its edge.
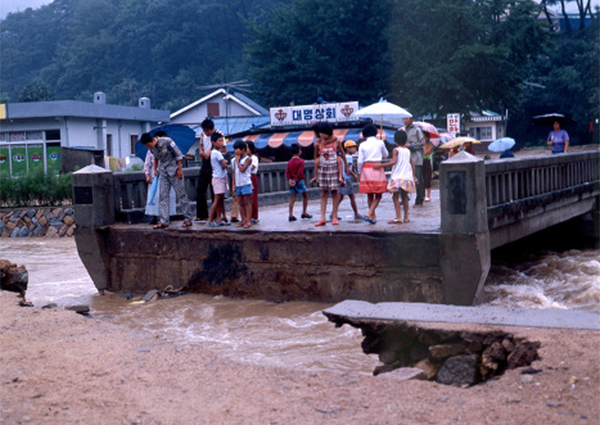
(12, 277)
(523, 354)
(459, 370)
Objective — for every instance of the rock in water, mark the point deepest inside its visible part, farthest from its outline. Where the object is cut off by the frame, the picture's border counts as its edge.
(152, 295)
(79, 309)
(12, 277)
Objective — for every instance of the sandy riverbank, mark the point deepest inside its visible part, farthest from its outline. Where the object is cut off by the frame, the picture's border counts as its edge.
(58, 367)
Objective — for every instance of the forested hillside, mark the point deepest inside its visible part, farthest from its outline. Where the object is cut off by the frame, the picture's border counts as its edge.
(431, 56)
(127, 48)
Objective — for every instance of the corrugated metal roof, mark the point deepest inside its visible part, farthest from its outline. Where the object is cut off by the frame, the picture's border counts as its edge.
(73, 108)
(236, 124)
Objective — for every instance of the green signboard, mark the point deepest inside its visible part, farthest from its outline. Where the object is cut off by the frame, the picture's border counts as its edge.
(35, 156)
(4, 160)
(19, 160)
(53, 157)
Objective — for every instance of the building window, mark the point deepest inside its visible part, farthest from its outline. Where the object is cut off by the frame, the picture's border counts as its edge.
(109, 144)
(52, 134)
(481, 133)
(134, 139)
(34, 135)
(213, 109)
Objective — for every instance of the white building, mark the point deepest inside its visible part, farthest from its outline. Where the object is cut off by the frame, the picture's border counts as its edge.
(486, 126)
(32, 133)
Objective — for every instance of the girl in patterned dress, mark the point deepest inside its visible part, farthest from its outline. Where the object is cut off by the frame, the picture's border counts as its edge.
(329, 172)
(402, 180)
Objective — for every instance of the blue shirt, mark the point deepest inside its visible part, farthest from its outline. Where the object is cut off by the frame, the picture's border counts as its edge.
(558, 139)
(347, 174)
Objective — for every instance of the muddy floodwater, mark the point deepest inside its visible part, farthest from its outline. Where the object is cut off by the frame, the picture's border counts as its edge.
(295, 334)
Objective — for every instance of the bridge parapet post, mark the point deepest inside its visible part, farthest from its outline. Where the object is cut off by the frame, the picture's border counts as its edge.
(93, 197)
(465, 239)
(94, 205)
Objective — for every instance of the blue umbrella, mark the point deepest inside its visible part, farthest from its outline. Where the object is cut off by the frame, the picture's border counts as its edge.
(153, 190)
(183, 136)
(502, 144)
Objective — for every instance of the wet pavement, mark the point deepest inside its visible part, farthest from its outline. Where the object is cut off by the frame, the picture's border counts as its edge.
(275, 218)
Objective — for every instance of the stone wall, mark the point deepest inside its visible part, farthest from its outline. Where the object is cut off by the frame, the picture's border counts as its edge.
(37, 222)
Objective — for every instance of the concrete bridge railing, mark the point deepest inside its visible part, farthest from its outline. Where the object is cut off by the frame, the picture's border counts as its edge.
(131, 190)
(526, 195)
(485, 205)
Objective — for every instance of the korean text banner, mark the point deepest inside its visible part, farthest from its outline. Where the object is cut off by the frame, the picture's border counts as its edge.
(310, 114)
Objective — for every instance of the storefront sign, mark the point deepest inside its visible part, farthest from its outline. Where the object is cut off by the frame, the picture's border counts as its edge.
(310, 114)
(453, 123)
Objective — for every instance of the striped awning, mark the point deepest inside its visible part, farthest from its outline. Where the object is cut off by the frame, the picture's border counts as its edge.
(306, 138)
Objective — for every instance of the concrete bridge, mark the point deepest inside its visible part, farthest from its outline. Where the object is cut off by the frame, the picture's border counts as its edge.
(481, 206)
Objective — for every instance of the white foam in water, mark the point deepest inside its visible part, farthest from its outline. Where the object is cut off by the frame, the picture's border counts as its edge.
(568, 280)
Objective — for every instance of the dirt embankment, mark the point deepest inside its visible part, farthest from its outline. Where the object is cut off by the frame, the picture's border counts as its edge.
(58, 367)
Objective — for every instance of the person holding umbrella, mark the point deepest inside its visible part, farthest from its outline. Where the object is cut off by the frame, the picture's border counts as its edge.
(558, 139)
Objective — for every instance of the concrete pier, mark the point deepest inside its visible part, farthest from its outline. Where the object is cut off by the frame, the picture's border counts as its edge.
(280, 260)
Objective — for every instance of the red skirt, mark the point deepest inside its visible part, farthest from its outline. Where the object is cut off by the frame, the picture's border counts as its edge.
(371, 180)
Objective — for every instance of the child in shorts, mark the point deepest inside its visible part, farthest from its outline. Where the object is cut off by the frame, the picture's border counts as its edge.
(219, 181)
(294, 173)
(348, 188)
(242, 169)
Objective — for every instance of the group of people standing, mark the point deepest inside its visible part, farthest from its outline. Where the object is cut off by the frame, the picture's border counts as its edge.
(166, 163)
(334, 171)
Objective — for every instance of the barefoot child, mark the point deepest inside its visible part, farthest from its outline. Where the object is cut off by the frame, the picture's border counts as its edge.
(219, 181)
(402, 180)
(243, 182)
(295, 177)
(348, 188)
(167, 164)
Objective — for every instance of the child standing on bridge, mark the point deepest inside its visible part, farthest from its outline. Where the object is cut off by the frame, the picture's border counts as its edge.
(294, 173)
(218, 166)
(402, 180)
(167, 164)
(348, 188)
(242, 169)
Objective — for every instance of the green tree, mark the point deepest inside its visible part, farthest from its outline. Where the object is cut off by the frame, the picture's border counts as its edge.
(36, 92)
(462, 56)
(565, 80)
(336, 49)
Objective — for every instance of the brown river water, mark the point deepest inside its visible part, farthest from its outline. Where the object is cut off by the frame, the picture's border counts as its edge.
(296, 334)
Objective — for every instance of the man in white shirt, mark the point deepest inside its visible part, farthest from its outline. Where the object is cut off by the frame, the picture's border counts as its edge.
(415, 143)
(204, 179)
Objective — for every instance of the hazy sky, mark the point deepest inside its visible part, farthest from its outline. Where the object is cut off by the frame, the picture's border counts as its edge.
(7, 6)
(19, 5)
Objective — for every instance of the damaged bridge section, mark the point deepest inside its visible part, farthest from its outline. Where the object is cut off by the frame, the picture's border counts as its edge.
(452, 345)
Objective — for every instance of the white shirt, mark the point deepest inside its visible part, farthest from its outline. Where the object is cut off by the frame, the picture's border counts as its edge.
(215, 160)
(371, 150)
(242, 178)
(254, 165)
(206, 143)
